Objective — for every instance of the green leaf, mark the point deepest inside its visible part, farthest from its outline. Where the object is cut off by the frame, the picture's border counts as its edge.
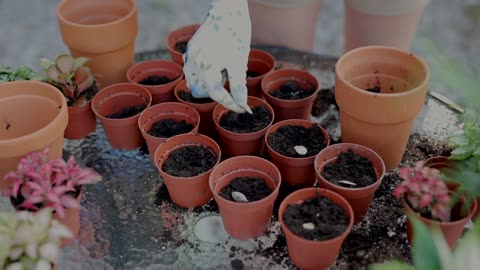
(45, 63)
(425, 254)
(457, 140)
(65, 63)
(462, 152)
(216, 27)
(394, 265)
(79, 62)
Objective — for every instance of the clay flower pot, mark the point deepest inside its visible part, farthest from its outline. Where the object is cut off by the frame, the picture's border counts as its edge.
(290, 109)
(381, 121)
(71, 220)
(183, 34)
(262, 63)
(103, 31)
(382, 22)
(81, 121)
(162, 92)
(33, 116)
(295, 171)
(358, 198)
(173, 110)
(309, 254)
(235, 144)
(121, 133)
(250, 219)
(186, 191)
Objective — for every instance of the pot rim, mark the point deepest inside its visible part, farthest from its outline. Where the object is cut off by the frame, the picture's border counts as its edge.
(159, 64)
(181, 87)
(179, 30)
(293, 71)
(262, 56)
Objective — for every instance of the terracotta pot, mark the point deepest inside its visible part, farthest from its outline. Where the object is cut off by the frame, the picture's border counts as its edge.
(121, 133)
(104, 31)
(160, 93)
(290, 109)
(358, 198)
(71, 220)
(173, 110)
(440, 163)
(382, 22)
(33, 116)
(183, 34)
(309, 254)
(186, 191)
(81, 122)
(236, 144)
(295, 171)
(261, 62)
(380, 121)
(251, 219)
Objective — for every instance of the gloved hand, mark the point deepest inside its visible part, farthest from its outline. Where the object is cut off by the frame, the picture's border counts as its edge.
(219, 47)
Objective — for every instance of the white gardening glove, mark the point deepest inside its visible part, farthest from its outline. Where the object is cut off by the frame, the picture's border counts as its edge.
(221, 43)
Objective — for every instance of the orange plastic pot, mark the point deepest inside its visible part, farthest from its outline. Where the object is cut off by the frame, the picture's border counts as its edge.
(236, 144)
(381, 121)
(261, 62)
(358, 198)
(183, 34)
(245, 220)
(121, 133)
(33, 116)
(173, 110)
(309, 254)
(104, 31)
(186, 191)
(290, 109)
(71, 219)
(160, 93)
(295, 171)
(81, 122)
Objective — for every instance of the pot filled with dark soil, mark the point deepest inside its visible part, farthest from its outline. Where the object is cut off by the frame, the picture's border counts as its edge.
(260, 63)
(292, 146)
(291, 93)
(245, 189)
(118, 107)
(243, 133)
(159, 76)
(315, 223)
(353, 171)
(185, 163)
(177, 41)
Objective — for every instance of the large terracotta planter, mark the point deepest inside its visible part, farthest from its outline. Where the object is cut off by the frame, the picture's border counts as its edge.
(358, 198)
(290, 109)
(160, 93)
(104, 31)
(261, 62)
(182, 34)
(251, 219)
(186, 191)
(33, 116)
(71, 219)
(309, 254)
(381, 121)
(121, 133)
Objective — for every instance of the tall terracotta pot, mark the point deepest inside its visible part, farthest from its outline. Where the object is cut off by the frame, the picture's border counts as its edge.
(33, 116)
(104, 31)
(183, 34)
(261, 62)
(381, 121)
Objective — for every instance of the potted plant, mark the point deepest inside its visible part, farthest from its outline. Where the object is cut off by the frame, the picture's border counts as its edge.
(177, 41)
(315, 223)
(21, 73)
(260, 63)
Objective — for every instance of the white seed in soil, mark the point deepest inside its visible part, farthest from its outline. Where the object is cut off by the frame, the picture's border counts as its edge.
(239, 197)
(300, 149)
(309, 226)
(347, 182)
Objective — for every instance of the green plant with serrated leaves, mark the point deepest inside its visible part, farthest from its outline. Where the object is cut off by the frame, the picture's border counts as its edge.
(21, 73)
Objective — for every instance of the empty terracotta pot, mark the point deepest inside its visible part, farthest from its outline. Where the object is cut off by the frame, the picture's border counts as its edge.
(71, 219)
(250, 219)
(183, 34)
(33, 116)
(309, 254)
(290, 109)
(262, 63)
(121, 133)
(358, 198)
(381, 121)
(295, 171)
(104, 31)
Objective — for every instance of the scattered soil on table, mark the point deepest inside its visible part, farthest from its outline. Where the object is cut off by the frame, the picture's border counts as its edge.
(155, 80)
(181, 46)
(167, 128)
(329, 219)
(237, 264)
(189, 161)
(128, 112)
(253, 188)
(286, 138)
(253, 74)
(375, 89)
(246, 122)
(188, 97)
(292, 91)
(350, 167)
(323, 101)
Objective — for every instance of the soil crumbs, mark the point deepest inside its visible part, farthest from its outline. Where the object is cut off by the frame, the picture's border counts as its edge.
(181, 46)
(253, 188)
(287, 137)
(155, 80)
(246, 122)
(375, 89)
(189, 161)
(167, 128)
(128, 112)
(188, 97)
(292, 91)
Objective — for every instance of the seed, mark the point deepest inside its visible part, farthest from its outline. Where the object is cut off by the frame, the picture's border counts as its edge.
(347, 182)
(309, 226)
(301, 150)
(239, 197)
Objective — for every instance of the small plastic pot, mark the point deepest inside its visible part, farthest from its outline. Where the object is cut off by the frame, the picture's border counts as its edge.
(163, 92)
(358, 198)
(121, 133)
(186, 191)
(183, 34)
(261, 62)
(245, 220)
(309, 254)
(71, 220)
(298, 172)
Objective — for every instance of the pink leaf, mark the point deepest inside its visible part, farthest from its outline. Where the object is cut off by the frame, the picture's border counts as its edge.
(65, 63)
(426, 200)
(59, 209)
(69, 202)
(54, 198)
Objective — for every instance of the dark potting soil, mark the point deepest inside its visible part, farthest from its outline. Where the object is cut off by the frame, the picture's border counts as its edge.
(128, 112)
(375, 89)
(286, 138)
(252, 74)
(189, 161)
(167, 128)
(253, 188)
(181, 46)
(350, 167)
(292, 91)
(329, 219)
(155, 80)
(188, 97)
(89, 93)
(246, 122)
